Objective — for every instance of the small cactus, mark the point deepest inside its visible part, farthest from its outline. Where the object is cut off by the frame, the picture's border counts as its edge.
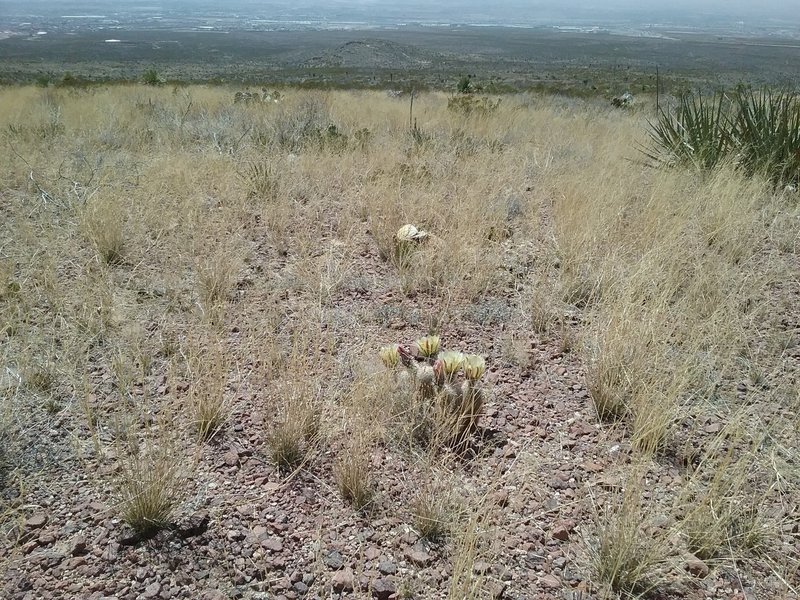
(471, 406)
(449, 364)
(474, 367)
(390, 356)
(435, 376)
(428, 346)
(426, 377)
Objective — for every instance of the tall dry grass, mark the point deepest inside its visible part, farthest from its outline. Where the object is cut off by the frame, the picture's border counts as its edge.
(166, 207)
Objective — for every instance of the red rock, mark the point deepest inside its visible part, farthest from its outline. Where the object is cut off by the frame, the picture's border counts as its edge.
(550, 581)
(231, 458)
(372, 553)
(498, 589)
(77, 546)
(418, 556)
(342, 581)
(36, 521)
(696, 567)
(273, 544)
(500, 498)
(383, 589)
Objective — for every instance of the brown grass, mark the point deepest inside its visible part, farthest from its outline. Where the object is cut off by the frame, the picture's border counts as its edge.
(161, 250)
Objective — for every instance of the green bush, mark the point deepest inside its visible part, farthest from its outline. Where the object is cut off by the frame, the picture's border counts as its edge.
(73, 81)
(151, 77)
(464, 85)
(758, 131)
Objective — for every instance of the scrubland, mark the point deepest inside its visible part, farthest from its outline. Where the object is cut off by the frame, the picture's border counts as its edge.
(193, 295)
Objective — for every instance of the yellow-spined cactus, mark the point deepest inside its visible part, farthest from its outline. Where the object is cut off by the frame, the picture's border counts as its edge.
(426, 380)
(390, 356)
(451, 362)
(428, 346)
(474, 367)
(430, 376)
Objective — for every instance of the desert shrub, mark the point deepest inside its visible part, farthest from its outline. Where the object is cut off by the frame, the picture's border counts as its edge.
(69, 80)
(467, 105)
(758, 130)
(44, 80)
(306, 126)
(766, 127)
(696, 133)
(151, 77)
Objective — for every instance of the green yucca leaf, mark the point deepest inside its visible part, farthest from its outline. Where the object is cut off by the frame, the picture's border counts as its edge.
(759, 131)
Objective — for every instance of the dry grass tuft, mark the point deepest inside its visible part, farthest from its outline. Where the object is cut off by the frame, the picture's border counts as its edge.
(433, 512)
(471, 544)
(297, 432)
(625, 558)
(150, 487)
(353, 475)
(103, 222)
(287, 446)
(217, 272)
(209, 405)
(722, 502)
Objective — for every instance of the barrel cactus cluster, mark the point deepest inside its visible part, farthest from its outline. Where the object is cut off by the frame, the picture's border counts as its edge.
(445, 384)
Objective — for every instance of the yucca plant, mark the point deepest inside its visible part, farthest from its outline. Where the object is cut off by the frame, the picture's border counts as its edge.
(758, 130)
(766, 127)
(696, 133)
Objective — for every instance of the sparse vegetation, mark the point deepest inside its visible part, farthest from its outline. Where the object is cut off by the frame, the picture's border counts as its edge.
(604, 371)
(151, 77)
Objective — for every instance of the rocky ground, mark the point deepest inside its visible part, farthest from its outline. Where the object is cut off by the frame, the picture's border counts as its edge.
(541, 461)
(529, 501)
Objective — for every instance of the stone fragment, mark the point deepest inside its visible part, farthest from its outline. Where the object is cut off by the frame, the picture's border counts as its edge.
(342, 581)
(550, 581)
(696, 567)
(419, 556)
(383, 589)
(387, 567)
(36, 521)
(77, 546)
(334, 560)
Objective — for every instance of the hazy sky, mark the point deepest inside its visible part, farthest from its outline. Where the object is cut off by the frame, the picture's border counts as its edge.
(454, 9)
